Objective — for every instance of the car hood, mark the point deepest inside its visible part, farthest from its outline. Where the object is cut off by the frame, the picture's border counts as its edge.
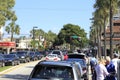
(9, 59)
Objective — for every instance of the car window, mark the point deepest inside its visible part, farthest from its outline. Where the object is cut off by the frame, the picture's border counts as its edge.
(56, 52)
(52, 55)
(62, 72)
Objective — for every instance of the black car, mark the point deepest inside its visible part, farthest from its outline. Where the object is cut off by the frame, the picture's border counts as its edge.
(2, 61)
(39, 55)
(60, 70)
(33, 56)
(11, 59)
(24, 56)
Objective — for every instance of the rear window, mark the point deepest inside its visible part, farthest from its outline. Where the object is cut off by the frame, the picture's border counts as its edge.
(57, 72)
(56, 52)
(79, 56)
(52, 55)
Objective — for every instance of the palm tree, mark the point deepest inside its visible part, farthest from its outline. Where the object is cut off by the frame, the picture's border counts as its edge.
(103, 7)
(12, 29)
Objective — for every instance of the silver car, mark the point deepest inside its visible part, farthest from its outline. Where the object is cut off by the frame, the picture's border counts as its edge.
(60, 70)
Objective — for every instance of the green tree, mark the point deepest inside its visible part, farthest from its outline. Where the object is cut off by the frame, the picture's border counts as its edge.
(102, 10)
(51, 37)
(6, 12)
(12, 29)
(69, 30)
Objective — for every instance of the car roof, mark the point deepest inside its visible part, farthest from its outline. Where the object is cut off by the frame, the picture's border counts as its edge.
(57, 63)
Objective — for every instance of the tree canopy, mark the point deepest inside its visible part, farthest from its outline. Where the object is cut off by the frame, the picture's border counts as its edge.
(69, 30)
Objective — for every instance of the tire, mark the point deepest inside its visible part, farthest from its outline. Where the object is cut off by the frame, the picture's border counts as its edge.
(18, 62)
(3, 64)
(13, 63)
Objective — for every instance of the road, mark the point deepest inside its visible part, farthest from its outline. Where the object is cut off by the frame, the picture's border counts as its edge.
(19, 72)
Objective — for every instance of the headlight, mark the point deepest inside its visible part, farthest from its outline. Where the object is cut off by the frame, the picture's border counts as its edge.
(22, 56)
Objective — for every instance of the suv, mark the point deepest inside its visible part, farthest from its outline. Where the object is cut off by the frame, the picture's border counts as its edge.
(60, 70)
(24, 56)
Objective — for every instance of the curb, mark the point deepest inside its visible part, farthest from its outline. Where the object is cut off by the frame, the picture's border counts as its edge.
(8, 70)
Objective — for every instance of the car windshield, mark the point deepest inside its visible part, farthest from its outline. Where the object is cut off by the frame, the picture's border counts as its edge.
(21, 53)
(60, 72)
(31, 53)
(9, 56)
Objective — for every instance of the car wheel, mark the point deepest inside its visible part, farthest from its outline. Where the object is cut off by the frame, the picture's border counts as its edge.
(18, 62)
(25, 61)
(3, 64)
(13, 63)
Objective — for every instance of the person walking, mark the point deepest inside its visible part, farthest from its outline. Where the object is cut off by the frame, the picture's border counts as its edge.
(111, 69)
(101, 70)
(114, 61)
(93, 63)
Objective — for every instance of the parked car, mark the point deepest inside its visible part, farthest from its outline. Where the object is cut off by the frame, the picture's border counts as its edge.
(58, 70)
(2, 61)
(59, 53)
(11, 59)
(82, 57)
(33, 56)
(52, 57)
(39, 55)
(13, 53)
(24, 56)
(83, 64)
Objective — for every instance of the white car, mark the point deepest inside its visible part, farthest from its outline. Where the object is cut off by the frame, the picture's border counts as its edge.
(52, 57)
(59, 53)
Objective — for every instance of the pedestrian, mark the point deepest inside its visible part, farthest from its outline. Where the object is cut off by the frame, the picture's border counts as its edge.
(115, 61)
(93, 63)
(110, 68)
(101, 70)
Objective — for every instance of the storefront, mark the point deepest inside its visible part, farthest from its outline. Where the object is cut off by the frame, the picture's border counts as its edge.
(8, 46)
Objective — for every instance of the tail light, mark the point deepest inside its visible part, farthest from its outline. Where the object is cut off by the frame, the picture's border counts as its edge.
(55, 59)
(47, 58)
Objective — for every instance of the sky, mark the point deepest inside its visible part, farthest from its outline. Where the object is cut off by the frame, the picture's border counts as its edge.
(53, 14)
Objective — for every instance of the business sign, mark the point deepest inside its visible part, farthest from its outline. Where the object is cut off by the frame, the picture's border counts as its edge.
(7, 44)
